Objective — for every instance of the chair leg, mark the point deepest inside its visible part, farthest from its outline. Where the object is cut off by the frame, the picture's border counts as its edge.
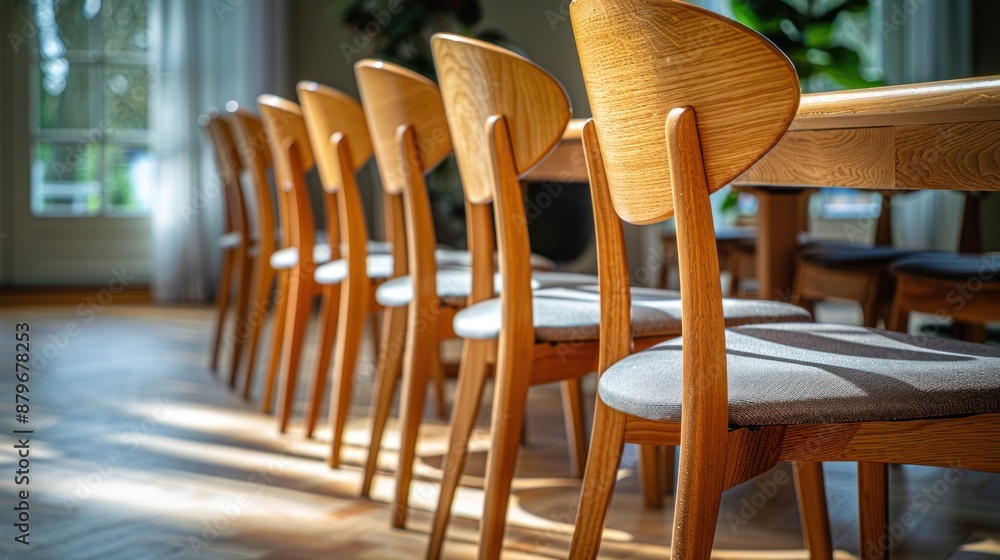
(277, 336)
(468, 397)
(437, 376)
(667, 468)
(386, 379)
(873, 510)
(572, 402)
(221, 305)
(870, 306)
(598, 481)
(811, 493)
(263, 277)
(649, 477)
(328, 314)
(420, 356)
(509, 403)
(300, 292)
(899, 317)
(350, 326)
(699, 493)
(246, 262)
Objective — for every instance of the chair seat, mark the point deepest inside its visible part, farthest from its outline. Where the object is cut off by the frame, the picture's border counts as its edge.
(379, 267)
(286, 258)
(229, 239)
(455, 285)
(837, 255)
(784, 374)
(454, 257)
(951, 267)
(574, 314)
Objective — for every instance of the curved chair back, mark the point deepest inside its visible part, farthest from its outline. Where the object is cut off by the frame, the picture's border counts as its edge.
(328, 112)
(292, 155)
(336, 123)
(642, 59)
(227, 160)
(395, 97)
(506, 115)
(480, 80)
(251, 144)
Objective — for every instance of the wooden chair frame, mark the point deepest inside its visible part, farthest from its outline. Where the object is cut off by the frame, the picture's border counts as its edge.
(253, 152)
(237, 259)
(698, 156)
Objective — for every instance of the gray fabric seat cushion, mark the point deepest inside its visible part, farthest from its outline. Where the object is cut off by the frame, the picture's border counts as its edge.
(455, 257)
(379, 267)
(574, 314)
(841, 256)
(286, 258)
(455, 285)
(960, 268)
(783, 374)
(229, 239)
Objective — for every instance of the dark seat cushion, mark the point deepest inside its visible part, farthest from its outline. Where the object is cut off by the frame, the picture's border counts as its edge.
(782, 374)
(951, 267)
(845, 256)
(574, 314)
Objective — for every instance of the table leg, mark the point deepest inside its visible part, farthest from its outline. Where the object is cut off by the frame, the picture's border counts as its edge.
(778, 223)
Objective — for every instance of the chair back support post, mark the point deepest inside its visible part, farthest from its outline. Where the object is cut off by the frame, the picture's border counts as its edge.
(251, 143)
(683, 101)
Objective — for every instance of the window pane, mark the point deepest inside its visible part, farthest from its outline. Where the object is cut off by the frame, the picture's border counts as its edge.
(125, 96)
(64, 179)
(125, 29)
(128, 179)
(64, 98)
(76, 24)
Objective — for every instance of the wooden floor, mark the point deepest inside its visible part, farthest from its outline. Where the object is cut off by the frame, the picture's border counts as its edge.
(139, 453)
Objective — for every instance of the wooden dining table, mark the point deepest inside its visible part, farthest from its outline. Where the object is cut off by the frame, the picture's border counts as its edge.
(939, 135)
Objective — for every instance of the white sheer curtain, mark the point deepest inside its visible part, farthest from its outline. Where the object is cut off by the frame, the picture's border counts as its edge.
(926, 41)
(205, 54)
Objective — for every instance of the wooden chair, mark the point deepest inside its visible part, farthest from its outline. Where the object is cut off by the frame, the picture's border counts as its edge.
(826, 269)
(256, 158)
(237, 243)
(297, 264)
(964, 287)
(505, 114)
(666, 133)
(410, 137)
(336, 124)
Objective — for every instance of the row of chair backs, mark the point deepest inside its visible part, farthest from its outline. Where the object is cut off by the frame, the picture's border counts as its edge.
(227, 160)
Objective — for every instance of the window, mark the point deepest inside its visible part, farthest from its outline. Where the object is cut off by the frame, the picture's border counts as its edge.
(89, 87)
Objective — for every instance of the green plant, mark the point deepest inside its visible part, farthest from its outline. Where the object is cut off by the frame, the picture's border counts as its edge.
(399, 31)
(809, 33)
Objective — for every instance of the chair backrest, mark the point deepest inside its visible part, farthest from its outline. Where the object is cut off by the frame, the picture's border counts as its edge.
(643, 58)
(480, 80)
(336, 124)
(251, 144)
(410, 137)
(227, 160)
(292, 155)
(395, 97)
(328, 111)
(506, 115)
(684, 101)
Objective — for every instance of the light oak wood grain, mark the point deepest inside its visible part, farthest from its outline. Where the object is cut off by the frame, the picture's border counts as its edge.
(635, 157)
